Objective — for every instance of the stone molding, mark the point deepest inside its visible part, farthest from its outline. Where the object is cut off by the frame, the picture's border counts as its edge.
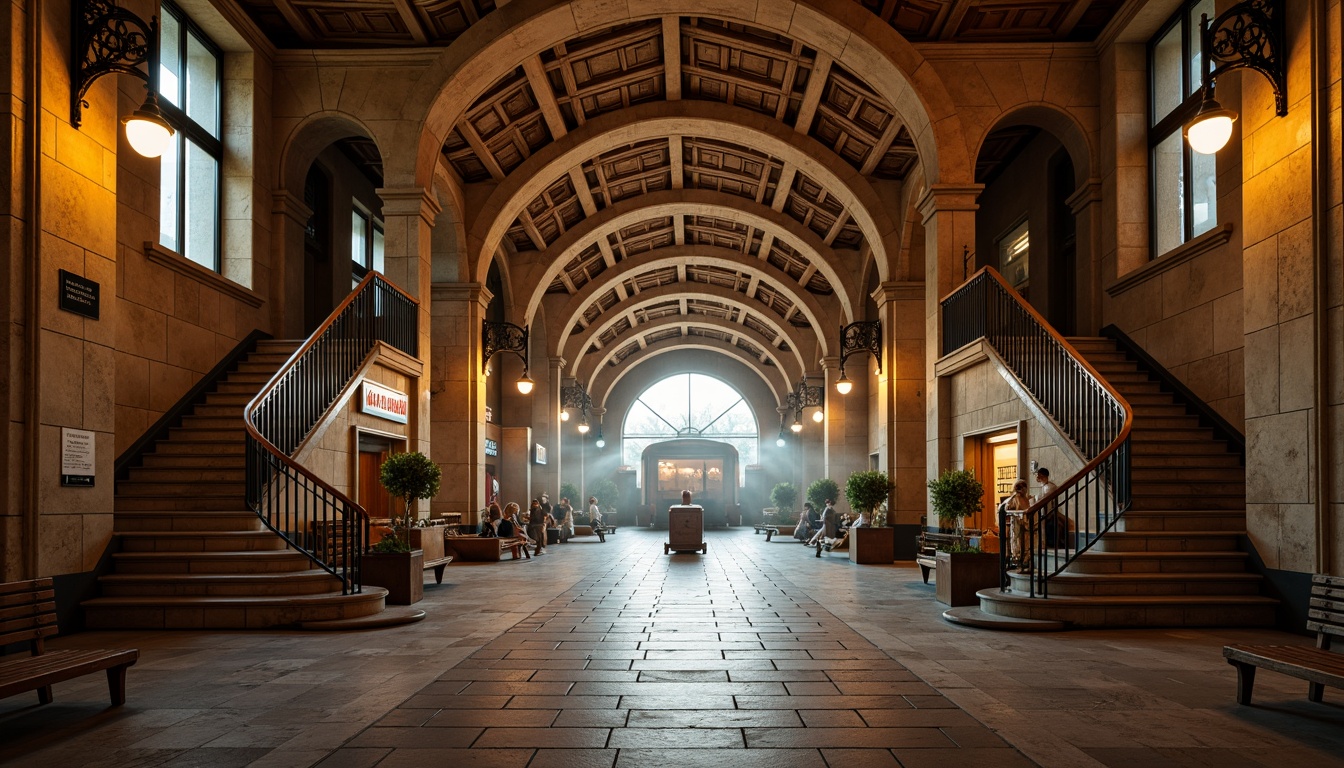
(461, 292)
(184, 266)
(410, 201)
(1205, 243)
(1088, 193)
(290, 206)
(949, 197)
(898, 291)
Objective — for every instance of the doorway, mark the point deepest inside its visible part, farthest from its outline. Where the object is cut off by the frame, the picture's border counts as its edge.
(995, 457)
(373, 450)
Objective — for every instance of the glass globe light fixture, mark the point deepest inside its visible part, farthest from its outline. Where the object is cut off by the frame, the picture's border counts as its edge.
(564, 415)
(818, 415)
(525, 384)
(583, 427)
(796, 426)
(147, 130)
(1211, 127)
(779, 441)
(843, 385)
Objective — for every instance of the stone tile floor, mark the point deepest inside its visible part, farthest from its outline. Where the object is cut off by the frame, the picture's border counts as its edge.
(614, 654)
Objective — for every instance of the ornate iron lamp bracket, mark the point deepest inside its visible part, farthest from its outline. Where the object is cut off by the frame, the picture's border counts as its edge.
(805, 396)
(859, 337)
(1249, 35)
(109, 39)
(503, 337)
(576, 397)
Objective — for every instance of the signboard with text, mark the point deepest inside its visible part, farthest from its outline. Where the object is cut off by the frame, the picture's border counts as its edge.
(385, 403)
(77, 457)
(491, 447)
(78, 294)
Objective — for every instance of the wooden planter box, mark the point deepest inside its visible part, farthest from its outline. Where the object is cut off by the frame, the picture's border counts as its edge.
(401, 574)
(430, 540)
(963, 574)
(870, 546)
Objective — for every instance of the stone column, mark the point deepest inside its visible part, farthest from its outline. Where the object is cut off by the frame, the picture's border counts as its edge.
(408, 222)
(948, 212)
(1086, 206)
(546, 422)
(902, 389)
(457, 411)
(289, 221)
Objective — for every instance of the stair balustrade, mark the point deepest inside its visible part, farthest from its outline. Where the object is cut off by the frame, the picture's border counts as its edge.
(1088, 410)
(312, 516)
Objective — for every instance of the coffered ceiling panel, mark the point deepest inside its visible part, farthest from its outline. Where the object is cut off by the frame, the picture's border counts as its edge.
(606, 71)
(632, 170)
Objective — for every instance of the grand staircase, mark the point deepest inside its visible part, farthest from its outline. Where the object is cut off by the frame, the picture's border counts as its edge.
(1174, 558)
(192, 555)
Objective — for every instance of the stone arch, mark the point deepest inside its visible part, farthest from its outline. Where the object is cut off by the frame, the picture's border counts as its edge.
(846, 31)
(576, 344)
(309, 137)
(657, 120)
(816, 315)
(595, 362)
(545, 267)
(603, 381)
(1061, 124)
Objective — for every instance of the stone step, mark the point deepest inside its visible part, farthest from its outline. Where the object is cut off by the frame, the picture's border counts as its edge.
(229, 461)
(1150, 445)
(184, 447)
(238, 399)
(260, 561)
(973, 616)
(1115, 584)
(250, 377)
(200, 541)
(229, 422)
(1159, 562)
(1168, 541)
(314, 581)
(161, 474)
(124, 503)
(1181, 422)
(126, 521)
(201, 488)
(267, 364)
(231, 387)
(233, 434)
(220, 411)
(1146, 432)
(389, 617)
(242, 612)
(1193, 486)
(1223, 460)
(1182, 520)
(1146, 474)
(1140, 500)
(1135, 610)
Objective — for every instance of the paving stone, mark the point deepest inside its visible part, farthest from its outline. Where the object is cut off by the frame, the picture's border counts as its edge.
(556, 738)
(721, 718)
(775, 738)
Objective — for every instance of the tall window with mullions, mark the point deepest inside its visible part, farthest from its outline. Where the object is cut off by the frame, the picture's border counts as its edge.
(1183, 183)
(189, 83)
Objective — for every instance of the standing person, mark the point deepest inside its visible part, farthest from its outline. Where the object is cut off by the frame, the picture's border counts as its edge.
(594, 512)
(537, 523)
(1015, 508)
(1055, 526)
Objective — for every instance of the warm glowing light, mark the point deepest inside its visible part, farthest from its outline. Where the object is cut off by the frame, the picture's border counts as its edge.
(1210, 128)
(843, 385)
(564, 415)
(525, 385)
(147, 130)
(583, 427)
(819, 415)
(796, 426)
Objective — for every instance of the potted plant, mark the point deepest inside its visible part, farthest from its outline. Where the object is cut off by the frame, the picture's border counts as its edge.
(784, 496)
(821, 490)
(866, 492)
(391, 563)
(961, 571)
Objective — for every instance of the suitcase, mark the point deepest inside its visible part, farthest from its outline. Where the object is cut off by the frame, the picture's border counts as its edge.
(685, 529)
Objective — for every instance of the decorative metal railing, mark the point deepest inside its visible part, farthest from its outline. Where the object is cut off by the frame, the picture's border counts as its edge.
(1044, 539)
(311, 515)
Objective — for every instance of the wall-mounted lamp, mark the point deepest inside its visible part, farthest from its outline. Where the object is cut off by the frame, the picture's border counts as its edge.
(506, 337)
(805, 396)
(110, 39)
(575, 397)
(863, 336)
(1249, 35)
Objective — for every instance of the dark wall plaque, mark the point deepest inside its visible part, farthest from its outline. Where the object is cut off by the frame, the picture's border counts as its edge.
(78, 295)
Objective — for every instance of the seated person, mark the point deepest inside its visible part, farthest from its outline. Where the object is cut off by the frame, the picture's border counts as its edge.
(489, 525)
(808, 524)
(509, 528)
(830, 524)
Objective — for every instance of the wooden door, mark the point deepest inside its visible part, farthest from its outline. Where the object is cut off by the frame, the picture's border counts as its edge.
(372, 496)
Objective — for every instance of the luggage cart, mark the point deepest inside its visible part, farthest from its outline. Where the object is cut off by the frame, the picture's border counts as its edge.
(686, 529)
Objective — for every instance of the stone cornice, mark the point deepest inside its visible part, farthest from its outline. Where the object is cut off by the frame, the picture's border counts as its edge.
(376, 58)
(1088, 192)
(898, 291)
(949, 197)
(461, 292)
(410, 201)
(954, 51)
(184, 266)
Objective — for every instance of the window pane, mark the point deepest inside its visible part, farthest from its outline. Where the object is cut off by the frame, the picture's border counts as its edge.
(202, 86)
(168, 197)
(359, 239)
(1203, 192)
(1014, 253)
(1168, 86)
(1168, 193)
(170, 63)
(1198, 10)
(202, 207)
(378, 249)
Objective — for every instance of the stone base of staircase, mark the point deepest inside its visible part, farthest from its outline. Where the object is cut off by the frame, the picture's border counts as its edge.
(1112, 611)
(972, 616)
(252, 612)
(390, 617)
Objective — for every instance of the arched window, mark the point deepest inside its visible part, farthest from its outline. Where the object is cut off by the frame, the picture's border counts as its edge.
(690, 405)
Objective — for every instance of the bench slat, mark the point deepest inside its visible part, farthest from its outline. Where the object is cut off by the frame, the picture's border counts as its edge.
(1325, 629)
(1325, 618)
(1311, 664)
(26, 587)
(25, 635)
(1334, 581)
(42, 671)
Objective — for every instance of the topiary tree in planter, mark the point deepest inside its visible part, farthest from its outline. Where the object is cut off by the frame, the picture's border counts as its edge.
(408, 476)
(955, 494)
(821, 490)
(865, 491)
(784, 496)
(605, 491)
(571, 491)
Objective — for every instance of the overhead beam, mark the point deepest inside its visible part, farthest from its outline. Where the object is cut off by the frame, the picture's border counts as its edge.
(541, 88)
(816, 87)
(672, 56)
(412, 21)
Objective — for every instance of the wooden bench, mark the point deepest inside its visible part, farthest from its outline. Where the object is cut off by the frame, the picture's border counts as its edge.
(927, 545)
(1319, 666)
(481, 549)
(28, 613)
